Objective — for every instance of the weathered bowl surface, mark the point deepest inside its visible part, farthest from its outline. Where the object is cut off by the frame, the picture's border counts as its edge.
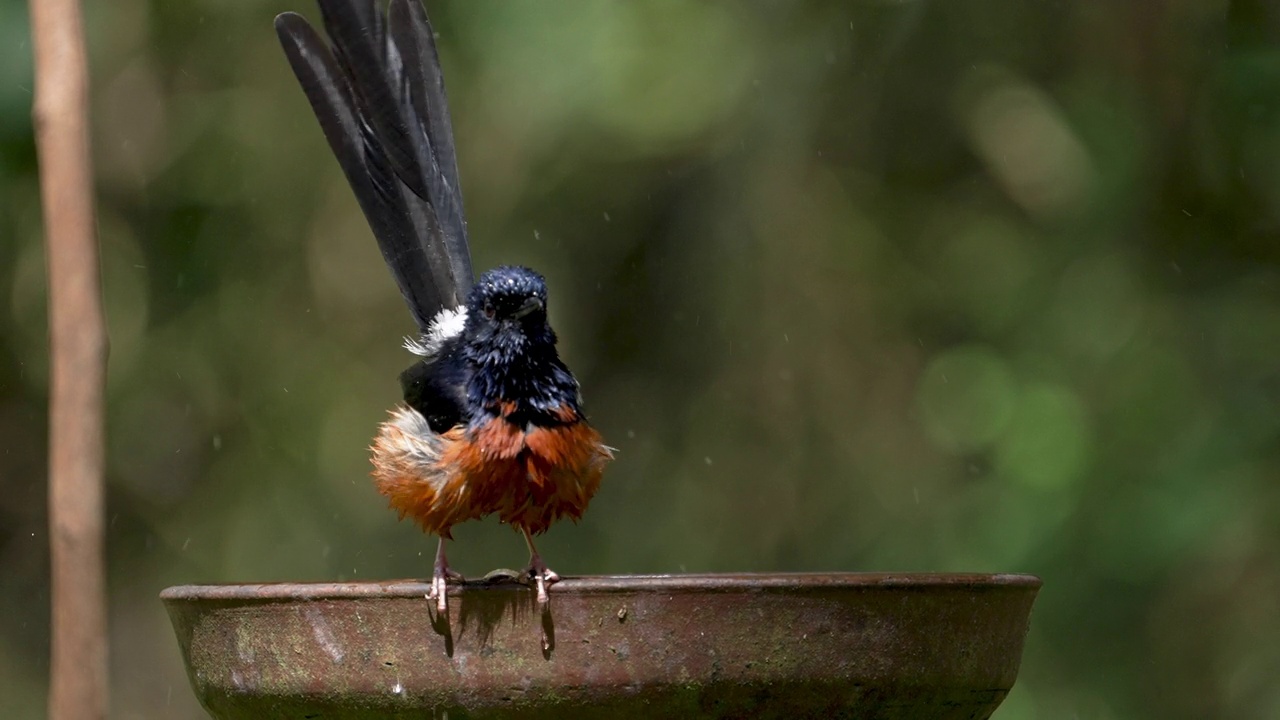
(684, 646)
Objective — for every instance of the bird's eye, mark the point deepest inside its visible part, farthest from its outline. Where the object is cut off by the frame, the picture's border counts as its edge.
(488, 310)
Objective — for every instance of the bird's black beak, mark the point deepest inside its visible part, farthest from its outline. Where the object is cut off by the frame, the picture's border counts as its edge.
(531, 304)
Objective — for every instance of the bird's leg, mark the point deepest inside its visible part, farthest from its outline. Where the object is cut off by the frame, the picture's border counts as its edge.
(541, 575)
(440, 580)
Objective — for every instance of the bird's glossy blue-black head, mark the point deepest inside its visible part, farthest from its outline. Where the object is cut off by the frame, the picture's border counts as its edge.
(507, 311)
(508, 294)
(512, 349)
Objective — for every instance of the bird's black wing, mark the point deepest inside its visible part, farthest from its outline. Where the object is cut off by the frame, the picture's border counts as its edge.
(437, 388)
(379, 97)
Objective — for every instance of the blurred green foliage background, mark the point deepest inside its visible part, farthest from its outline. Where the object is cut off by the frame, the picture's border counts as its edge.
(878, 285)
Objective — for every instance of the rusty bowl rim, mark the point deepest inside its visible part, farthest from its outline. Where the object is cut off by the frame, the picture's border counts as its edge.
(610, 584)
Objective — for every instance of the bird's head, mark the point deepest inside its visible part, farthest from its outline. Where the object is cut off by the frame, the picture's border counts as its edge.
(507, 313)
(511, 350)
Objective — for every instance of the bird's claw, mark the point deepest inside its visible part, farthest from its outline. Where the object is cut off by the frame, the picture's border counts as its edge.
(440, 589)
(540, 577)
(440, 582)
(439, 593)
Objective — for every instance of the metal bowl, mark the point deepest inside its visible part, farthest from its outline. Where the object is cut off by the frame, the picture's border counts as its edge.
(682, 646)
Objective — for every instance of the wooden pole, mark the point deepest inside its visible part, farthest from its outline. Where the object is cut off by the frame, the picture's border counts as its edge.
(78, 352)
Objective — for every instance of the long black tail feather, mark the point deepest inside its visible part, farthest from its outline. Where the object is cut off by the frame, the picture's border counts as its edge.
(380, 101)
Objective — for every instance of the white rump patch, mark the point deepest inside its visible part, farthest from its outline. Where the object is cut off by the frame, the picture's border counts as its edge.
(447, 324)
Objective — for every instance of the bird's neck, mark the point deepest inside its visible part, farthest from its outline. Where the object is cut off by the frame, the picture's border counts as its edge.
(523, 381)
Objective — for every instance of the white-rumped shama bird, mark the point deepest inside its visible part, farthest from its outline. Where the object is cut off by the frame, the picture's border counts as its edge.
(492, 420)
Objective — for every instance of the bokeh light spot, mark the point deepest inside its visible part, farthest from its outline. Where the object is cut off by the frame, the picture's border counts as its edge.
(967, 396)
(1048, 443)
(1027, 143)
(1098, 306)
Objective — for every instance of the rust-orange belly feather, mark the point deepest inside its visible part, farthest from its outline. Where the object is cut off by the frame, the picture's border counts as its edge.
(530, 478)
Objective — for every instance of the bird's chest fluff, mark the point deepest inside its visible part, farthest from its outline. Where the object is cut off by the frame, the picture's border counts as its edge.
(500, 455)
(529, 475)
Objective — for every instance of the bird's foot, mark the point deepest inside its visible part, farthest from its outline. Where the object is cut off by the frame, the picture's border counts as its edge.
(440, 584)
(540, 577)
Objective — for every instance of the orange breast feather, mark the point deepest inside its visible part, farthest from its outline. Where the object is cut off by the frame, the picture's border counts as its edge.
(531, 479)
